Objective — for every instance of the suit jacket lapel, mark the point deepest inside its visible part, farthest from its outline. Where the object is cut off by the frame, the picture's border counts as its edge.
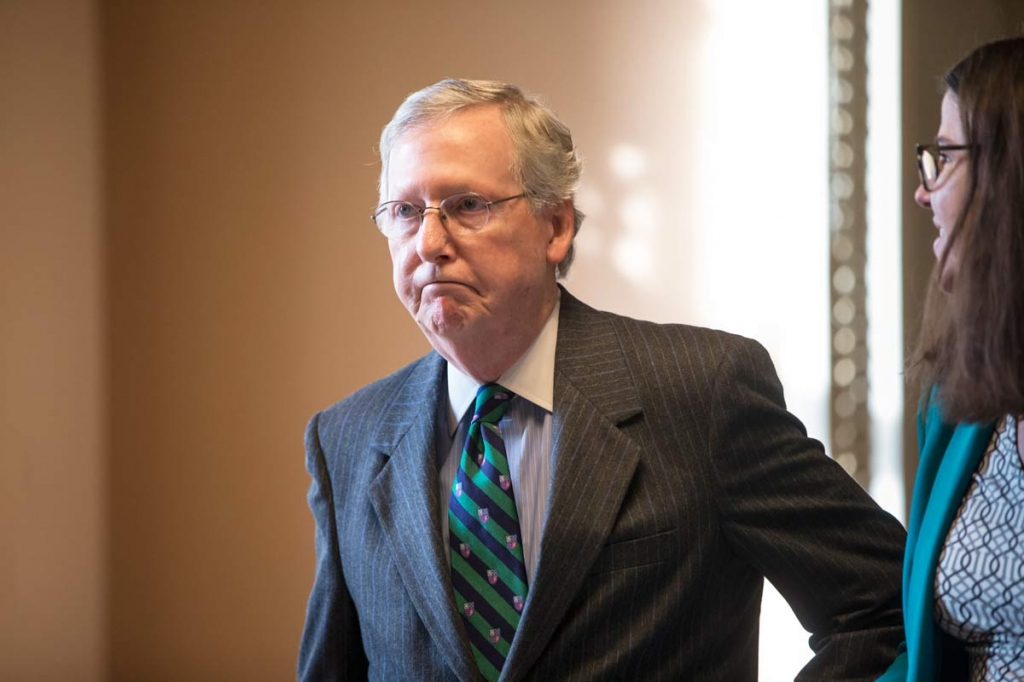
(592, 465)
(404, 495)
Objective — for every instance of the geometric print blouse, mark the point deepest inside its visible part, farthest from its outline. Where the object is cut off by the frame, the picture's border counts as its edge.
(979, 583)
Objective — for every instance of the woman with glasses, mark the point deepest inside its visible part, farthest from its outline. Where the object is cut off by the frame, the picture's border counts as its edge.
(963, 575)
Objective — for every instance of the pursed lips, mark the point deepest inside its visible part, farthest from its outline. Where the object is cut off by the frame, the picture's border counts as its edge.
(442, 284)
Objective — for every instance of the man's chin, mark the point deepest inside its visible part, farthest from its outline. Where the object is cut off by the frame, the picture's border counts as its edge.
(442, 318)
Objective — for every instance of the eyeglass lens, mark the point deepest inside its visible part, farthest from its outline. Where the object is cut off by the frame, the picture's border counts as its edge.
(929, 165)
(469, 211)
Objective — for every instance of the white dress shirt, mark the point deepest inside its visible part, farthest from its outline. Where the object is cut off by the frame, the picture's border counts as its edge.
(525, 428)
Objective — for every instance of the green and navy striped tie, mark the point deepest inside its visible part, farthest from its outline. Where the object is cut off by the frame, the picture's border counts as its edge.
(488, 572)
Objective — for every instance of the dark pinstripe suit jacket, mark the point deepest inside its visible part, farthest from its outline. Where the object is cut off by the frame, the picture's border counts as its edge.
(678, 480)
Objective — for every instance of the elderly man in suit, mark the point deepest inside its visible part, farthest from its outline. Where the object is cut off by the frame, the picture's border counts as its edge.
(555, 492)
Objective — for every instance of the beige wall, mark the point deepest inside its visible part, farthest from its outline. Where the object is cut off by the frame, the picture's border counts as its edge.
(52, 463)
(245, 293)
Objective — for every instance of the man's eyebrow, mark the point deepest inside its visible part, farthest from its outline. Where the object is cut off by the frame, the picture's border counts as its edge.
(443, 191)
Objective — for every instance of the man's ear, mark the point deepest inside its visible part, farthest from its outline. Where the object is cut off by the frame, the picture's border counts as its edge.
(563, 229)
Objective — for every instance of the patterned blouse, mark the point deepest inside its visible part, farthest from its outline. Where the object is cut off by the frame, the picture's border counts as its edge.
(979, 584)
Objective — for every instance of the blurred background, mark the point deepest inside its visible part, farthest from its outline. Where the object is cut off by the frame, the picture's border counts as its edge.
(188, 271)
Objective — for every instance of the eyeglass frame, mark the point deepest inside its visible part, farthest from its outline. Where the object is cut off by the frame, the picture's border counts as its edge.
(930, 149)
(422, 210)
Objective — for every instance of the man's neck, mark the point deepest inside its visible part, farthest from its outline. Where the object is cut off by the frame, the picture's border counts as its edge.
(486, 359)
(532, 376)
(485, 363)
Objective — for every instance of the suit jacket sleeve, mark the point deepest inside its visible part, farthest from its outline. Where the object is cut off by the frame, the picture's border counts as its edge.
(805, 524)
(331, 647)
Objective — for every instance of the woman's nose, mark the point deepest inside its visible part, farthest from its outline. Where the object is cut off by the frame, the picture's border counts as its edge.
(923, 197)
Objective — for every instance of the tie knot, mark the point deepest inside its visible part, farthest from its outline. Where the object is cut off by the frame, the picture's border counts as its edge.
(492, 401)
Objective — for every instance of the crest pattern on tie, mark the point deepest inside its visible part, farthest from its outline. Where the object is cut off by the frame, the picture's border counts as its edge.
(488, 571)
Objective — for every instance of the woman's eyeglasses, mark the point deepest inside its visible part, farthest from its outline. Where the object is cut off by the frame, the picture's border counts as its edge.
(931, 158)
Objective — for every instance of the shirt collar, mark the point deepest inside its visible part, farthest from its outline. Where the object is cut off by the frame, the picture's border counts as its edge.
(532, 376)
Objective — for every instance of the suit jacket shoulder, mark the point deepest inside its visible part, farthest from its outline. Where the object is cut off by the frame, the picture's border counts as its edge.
(729, 489)
(379, 413)
(687, 357)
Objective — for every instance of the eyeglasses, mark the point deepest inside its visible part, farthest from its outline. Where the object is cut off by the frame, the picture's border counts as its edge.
(932, 158)
(469, 211)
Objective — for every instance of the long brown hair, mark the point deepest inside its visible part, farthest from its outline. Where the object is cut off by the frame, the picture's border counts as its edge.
(971, 343)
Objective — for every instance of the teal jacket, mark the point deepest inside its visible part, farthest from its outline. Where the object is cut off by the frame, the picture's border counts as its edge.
(949, 456)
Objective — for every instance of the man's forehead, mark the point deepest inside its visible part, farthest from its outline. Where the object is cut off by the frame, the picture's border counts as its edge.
(479, 119)
(469, 142)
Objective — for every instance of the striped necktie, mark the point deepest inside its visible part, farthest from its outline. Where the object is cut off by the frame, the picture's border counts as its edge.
(488, 572)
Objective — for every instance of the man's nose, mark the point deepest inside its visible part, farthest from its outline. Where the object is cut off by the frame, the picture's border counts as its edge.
(433, 239)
